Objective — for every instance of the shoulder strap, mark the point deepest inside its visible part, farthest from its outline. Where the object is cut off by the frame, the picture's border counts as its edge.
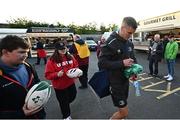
(32, 69)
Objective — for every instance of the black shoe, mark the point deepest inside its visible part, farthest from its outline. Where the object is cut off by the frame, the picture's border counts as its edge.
(36, 63)
(155, 75)
(150, 74)
(83, 87)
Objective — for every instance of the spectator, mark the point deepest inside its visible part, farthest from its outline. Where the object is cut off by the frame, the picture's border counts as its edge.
(155, 55)
(165, 41)
(57, 66)
(117, 55)
(170, 56)
(150, 39)
(41, 53)
(81, 52)
(16, 78)
(100, 44)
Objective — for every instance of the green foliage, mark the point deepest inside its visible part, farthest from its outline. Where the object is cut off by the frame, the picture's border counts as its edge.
(112, 27)
(24, 23)
(89, 28)
(103, 29)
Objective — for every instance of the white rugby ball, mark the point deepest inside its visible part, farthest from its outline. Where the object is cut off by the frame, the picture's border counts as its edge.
(74, 72)
(38, 95)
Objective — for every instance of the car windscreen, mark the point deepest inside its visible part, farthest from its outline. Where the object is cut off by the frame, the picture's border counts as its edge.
(90, 42)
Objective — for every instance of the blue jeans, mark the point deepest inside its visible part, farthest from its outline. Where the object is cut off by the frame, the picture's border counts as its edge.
(170, 65)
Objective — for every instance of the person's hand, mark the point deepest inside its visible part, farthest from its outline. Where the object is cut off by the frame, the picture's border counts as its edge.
(128, 62)
(29, 112)
(133, 77)
(80, 75)
(60, 73)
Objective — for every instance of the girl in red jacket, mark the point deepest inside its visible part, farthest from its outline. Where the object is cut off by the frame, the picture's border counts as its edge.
(57, 66)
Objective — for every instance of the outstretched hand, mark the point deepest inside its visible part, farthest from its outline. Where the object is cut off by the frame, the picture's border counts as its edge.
(29, 112)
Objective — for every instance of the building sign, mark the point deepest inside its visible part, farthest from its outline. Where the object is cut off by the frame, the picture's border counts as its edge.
(164, 22)
(49, 34)
(161, 19)
(48, 30)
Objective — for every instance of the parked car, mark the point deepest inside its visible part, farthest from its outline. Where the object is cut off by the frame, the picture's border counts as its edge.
(106, 35)
(91, 44)
(89, 38)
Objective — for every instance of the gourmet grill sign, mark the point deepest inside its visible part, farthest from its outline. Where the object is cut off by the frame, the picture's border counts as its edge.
(49, 30)
(160, 19)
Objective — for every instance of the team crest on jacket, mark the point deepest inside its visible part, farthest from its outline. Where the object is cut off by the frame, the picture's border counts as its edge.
(119, 51)
(130, 49)
(121, 102)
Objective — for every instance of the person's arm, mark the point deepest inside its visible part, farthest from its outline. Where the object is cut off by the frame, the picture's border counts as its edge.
(21, 113)
(105, 61)
(50, 72)
(175, 51)
(72, 49)
(132, 55)
(75, 63)
(12, 114)
(159, 51)
(98, 51)
(36, 78)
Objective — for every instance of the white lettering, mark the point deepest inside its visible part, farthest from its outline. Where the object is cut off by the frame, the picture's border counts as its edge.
(64, 63)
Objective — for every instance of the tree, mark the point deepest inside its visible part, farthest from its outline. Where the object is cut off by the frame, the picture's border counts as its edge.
(90, 28)
(103, 28)
(113, 27)
(24, 23)
(60, 25)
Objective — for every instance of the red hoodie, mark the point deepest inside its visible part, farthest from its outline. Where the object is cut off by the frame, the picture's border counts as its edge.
(52, 68)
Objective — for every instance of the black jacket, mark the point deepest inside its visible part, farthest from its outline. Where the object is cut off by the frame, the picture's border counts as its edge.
(40, 45)
(114, 51)
(158, 54)
(12, 95)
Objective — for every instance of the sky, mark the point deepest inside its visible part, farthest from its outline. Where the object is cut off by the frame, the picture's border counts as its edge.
(80, 12)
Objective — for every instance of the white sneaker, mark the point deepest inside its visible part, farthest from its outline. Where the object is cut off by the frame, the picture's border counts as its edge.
(68, 118)
(170, 78)
(167, 76)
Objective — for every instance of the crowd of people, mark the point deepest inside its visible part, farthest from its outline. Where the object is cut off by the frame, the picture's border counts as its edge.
(18, 76)
(159, 49)
(114, 54)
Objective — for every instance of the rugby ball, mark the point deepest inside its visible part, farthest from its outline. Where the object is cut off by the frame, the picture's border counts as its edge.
(74, 72)
(38, 95)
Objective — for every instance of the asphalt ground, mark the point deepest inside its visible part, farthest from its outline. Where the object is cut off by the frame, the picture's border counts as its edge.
(159, 99)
